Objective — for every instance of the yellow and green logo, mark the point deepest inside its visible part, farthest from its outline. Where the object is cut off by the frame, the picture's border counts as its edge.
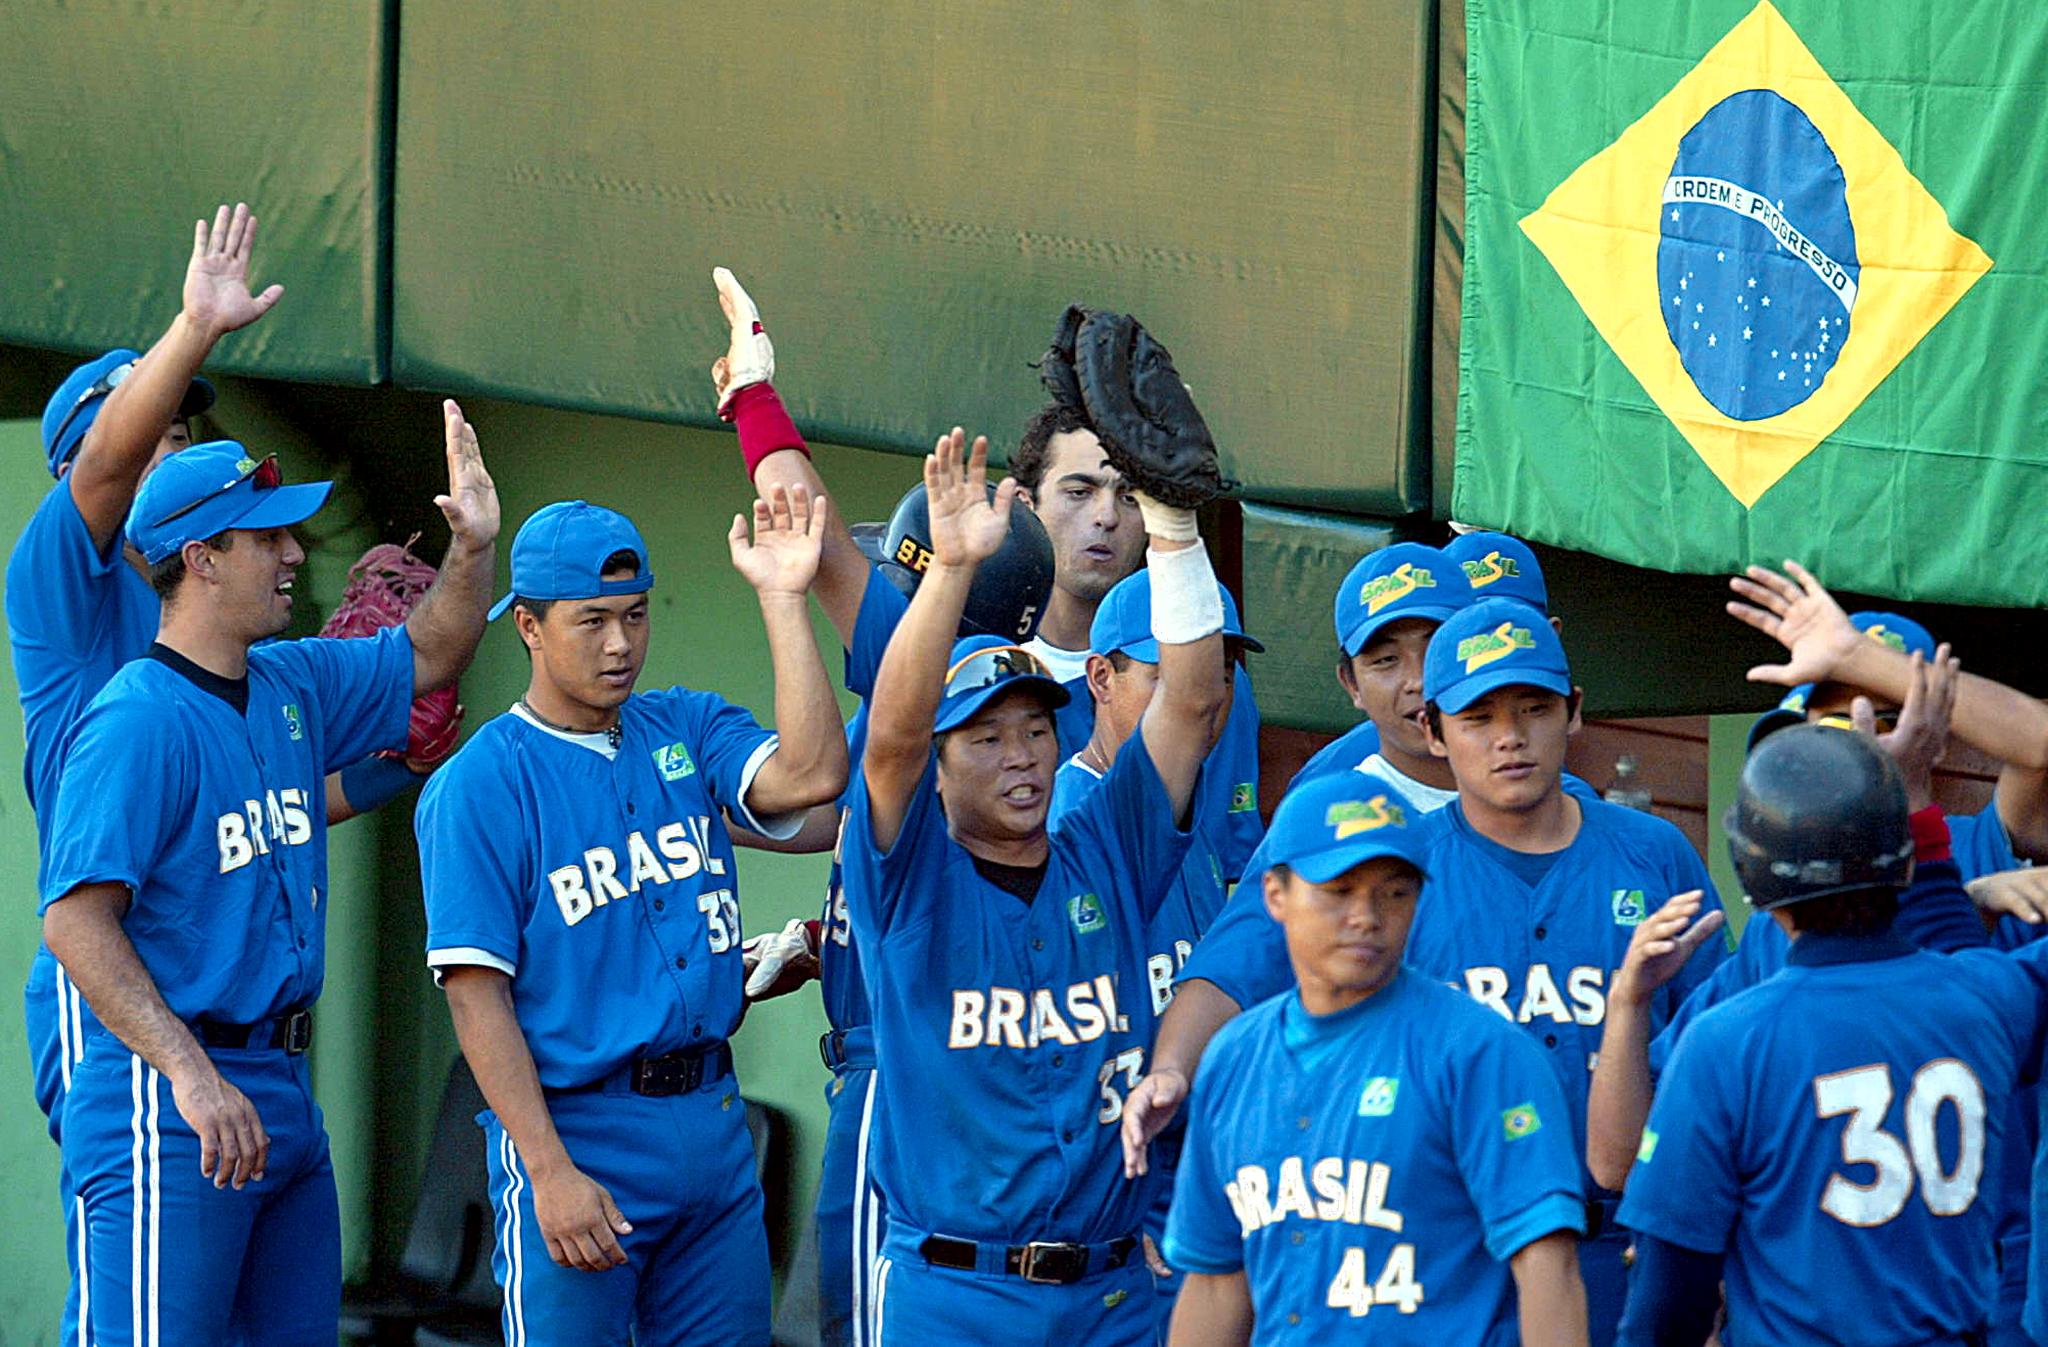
(1493, 566)
(1349, 818)
(291, 721)
(1398, 583)
(1244, 797)
(1519, 1121)
(1476, 652)
(1886, 637)
(1376, 1100)
(1630, 907)
(1648, 1150)
(1084, 910)
(673, 761)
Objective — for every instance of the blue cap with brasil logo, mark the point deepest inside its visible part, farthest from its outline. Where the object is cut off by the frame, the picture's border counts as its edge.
(1495, 643)
(561, 550)
(209, 489)
(1333, 824)
(1404, 580)
(1891, 630)
(76, 404)
(1500, 567)
(983, 668)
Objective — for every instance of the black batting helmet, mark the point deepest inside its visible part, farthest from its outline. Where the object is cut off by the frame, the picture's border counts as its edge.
(1010, 588)
(1819, 810)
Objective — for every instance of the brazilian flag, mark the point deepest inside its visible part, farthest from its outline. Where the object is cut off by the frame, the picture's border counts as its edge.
(1747, 281)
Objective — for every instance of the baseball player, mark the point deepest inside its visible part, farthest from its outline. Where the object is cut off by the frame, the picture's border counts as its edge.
(1836, 1182)
(582, 917)
(185, 894)
(1122, 672)
(1003, 959)
(1371, 1157)
(79, 604)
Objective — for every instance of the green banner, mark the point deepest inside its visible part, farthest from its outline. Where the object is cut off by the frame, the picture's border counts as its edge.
(1744, 283)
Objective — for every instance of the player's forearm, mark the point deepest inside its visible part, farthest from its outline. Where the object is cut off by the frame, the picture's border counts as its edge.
(776, 456)
(84, 932)
(1198, 1010)
(1618, 1101)
(809, 764)
(125, 434)
(1551, 1294)
(487, 1029)
(1212, 1311)
(2022, 804)
(911, 680)
(448, 621)
(1185, 715)
(1990, 717)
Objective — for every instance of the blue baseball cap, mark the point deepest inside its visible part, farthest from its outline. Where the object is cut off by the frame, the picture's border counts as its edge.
(983, 668)
(1898, 633)
(1495, 643)
(211, 488)
(1123, 620)
(1404, 580)
(1500, 567)
(76, 404)
(561, 550)
(1330, 825)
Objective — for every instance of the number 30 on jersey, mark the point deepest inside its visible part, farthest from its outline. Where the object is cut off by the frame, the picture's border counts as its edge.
(1865, 1095)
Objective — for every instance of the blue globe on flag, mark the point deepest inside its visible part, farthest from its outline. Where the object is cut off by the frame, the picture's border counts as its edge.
(1756, 264)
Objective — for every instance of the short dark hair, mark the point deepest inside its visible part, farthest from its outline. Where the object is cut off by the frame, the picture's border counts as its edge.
(1119, 660)
(1027, 464)
(621, 560)
(1857, 912)
(164, 575)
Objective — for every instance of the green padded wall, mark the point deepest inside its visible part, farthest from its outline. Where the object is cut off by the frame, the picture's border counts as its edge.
(121, 123)
(913, 193)
(1293, 563)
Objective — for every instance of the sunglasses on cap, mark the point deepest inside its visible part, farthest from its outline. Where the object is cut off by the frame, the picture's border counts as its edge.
(101, 386)
(264, 470)
(986, 668)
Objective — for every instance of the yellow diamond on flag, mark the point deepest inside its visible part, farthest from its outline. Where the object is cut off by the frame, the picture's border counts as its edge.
(1756, 252)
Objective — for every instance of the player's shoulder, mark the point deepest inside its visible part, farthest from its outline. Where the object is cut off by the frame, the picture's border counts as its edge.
(1341, 754)
(1070, 785)
(1450, 1017)
(1634, 831)
(56, 511)
(493, 756)
(1244, 1036)
(676, 710)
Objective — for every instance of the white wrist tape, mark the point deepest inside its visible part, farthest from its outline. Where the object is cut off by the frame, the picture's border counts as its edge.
(1170, 522)
(1186, 604)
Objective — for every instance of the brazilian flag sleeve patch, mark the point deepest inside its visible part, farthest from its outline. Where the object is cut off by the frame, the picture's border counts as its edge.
(1519, 1121)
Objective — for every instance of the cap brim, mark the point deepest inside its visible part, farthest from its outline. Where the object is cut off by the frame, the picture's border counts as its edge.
(1320, 867)
(1355, 640)
(957, 711)
(1769, 723)
(500, 608)
(1147, 651)
(1470, 689)
(283, 506)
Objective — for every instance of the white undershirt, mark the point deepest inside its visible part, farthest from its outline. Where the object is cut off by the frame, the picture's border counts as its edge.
(1063, 665)
(1420, 795)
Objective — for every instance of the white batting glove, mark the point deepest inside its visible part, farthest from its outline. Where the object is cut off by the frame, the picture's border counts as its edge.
(750, 359)
(778, 964)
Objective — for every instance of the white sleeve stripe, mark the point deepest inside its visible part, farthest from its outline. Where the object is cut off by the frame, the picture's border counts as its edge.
(467, 956)
(781, 827)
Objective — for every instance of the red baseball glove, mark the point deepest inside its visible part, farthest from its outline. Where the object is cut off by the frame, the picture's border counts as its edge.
(382, 589)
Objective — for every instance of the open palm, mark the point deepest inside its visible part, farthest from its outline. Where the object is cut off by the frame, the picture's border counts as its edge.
(968, 525)
(1795, 610)
(471, 505)
(789, 537)
(217, 295)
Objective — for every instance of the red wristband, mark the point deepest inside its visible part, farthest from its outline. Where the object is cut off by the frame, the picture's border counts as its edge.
(764, 425)
(814, 934)
(1930, 834)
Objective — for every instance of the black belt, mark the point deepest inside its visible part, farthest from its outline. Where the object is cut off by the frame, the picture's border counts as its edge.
(658, 1077)
(1600, 1216)
(1050, 1264)
(291, 1031)
(843, 1048)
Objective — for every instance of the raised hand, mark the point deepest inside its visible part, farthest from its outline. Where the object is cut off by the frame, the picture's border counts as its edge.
(1794, 610)
(750, 356)
(1661, 945)
(217, 296)
(1921, 735)
(471, 505)
(789, 537)
(967, 526)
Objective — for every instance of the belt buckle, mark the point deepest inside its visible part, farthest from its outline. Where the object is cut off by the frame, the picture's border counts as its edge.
(670, 1075)
(298, 1032)
(1053, 1264)
(827, 1041)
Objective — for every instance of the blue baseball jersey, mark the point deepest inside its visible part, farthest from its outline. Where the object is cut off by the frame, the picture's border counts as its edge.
(75, 614)
(604, 886)
(215, 819)
(1341, 754)
(1010, 1032)
(1850, 1149)
(1371, 1171)
(1544, 955)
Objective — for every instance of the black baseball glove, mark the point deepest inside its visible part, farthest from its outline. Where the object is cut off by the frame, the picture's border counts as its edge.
(1056, 366)
(1141, 410)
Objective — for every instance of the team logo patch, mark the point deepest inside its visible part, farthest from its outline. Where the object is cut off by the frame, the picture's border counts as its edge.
(1399, 583)
(1084, 910)
(1493, 566)
(673, 761)
(1351, 817)
(1377, 1099)
(1792, 262)
(1648, 1150)
(1244, 797)
(1114, 1299)
(1630, 907)
(291, 721)
(1886, 637)
(1519, 1121)
(245, 465)
(1476, 652)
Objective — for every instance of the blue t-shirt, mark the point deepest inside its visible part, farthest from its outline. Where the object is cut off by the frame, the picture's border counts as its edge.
(215, 819)
(605, 887)
(1839, 1163)
(75, 614)
(1009, 1033)
(1371, 1171)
